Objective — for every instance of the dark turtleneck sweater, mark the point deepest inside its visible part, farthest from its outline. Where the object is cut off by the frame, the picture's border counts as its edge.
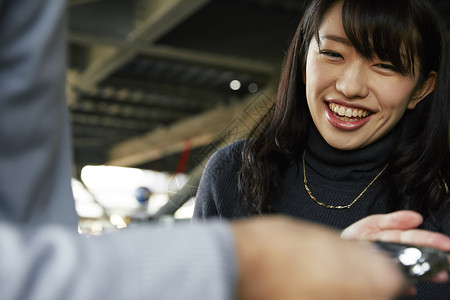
(335, 177)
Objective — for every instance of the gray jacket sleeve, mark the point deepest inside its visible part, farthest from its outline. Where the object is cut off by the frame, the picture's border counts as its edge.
(189, 262)
(35, 163)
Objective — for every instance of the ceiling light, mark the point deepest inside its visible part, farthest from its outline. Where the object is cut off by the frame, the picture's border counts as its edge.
(235, 85)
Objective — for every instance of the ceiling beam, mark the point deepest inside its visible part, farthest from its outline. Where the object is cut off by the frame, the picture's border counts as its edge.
(162, 17)
(224, 123)
(174, 53)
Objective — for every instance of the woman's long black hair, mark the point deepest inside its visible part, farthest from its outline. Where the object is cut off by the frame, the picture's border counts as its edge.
(419, 168)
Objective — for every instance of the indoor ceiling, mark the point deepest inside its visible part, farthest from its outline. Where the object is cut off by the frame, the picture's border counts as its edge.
(149, 80)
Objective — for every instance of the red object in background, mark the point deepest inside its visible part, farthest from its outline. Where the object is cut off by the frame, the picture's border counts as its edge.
(184, 156)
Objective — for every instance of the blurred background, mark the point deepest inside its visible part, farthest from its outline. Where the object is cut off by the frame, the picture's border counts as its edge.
(156, 86)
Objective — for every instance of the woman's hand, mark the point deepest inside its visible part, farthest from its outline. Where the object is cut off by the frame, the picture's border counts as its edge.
(399, 227)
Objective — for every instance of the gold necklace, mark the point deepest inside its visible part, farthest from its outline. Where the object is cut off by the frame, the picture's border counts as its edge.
(336, 206)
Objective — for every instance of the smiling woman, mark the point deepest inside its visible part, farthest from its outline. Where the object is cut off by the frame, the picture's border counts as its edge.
(354, 100)
(360, 126)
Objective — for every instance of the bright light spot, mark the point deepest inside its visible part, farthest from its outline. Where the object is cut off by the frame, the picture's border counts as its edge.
(117, 221)
(421, 269)
(410, 256)
(85, 204)
(253, 87)
(89, 210)
(80, 193)
(156, 202)
(235, 85)
(186, 211)
(96, 228)
(176, 183)
(114, 187)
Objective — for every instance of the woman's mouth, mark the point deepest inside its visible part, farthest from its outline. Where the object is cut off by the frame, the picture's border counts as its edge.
(347, 114)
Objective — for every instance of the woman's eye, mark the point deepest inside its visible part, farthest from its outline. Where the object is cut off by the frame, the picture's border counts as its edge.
(330, 53)
(387, 67)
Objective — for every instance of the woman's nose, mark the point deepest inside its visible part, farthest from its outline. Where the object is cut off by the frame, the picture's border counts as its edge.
(352, 83)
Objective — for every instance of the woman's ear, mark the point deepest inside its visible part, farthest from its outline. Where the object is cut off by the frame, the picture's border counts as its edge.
(423, 90)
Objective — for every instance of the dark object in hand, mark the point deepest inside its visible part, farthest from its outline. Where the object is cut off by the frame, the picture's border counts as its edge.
(417, 262)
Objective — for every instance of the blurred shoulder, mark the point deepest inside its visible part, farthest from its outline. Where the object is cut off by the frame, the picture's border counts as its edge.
(227, 157)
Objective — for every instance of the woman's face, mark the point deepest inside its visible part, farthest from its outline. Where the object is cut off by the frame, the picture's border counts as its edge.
(353, 101)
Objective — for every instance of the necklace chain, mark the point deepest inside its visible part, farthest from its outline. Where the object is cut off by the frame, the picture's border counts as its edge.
(336, 206)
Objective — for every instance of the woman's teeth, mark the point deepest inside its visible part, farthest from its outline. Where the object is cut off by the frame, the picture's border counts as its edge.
(347, 114)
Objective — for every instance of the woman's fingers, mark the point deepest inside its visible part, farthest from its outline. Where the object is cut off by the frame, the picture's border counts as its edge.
(374, 224)
(402, 220)
(417, 237)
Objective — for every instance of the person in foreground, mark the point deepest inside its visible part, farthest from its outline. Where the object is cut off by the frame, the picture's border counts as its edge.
(359, 128)
(43, 257)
